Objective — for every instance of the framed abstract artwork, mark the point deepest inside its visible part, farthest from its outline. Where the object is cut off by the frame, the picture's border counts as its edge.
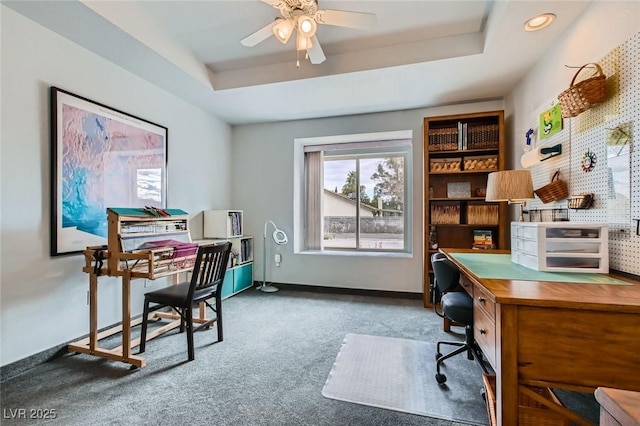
(100, 157)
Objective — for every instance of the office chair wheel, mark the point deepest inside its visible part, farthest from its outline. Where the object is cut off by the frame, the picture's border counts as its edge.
(440, 378)
(438, 356)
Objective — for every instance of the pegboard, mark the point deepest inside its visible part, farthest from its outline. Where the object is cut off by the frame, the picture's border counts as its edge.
(588, 133)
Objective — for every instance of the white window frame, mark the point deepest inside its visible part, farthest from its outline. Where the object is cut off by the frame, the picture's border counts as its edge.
(299, 191)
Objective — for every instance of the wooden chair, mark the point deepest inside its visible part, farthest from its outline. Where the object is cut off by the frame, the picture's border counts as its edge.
(206, 283)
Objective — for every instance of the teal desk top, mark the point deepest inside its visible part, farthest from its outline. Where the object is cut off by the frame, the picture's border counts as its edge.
(500, 266)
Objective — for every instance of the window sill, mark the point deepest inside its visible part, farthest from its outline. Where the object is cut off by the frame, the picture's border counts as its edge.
(354, 253)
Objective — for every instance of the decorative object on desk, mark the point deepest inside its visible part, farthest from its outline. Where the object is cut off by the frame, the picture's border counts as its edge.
(585, 94)
(539, 154)
(582, 201)
(513, 186)
(100, 157)
(458, 189)
(397, 374)
(280, 238)
(556, 190)
(550, 122)
(589, 160)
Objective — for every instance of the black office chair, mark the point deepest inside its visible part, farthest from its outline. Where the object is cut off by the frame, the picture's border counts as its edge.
(206, 283)
(436, 295)
(457, 306)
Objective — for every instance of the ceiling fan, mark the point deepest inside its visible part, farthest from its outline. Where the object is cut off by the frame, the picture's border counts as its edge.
(302, 17)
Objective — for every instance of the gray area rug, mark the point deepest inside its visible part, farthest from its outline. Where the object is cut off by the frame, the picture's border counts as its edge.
(398, 374)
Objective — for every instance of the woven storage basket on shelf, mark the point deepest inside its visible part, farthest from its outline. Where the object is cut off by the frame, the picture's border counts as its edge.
(583, 95)
(554, 191)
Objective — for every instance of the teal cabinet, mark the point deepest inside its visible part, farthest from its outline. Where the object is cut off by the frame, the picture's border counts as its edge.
(237, 279)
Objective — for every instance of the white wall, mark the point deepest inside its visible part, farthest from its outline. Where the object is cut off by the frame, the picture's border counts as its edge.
(44, 299)
(602, 27)
(263, 188)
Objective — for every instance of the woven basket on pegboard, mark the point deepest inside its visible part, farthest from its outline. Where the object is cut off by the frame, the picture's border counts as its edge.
(583, 95)
(554, 191)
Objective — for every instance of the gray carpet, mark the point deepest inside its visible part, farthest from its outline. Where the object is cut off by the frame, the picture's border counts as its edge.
(269, 370)
(398, 374)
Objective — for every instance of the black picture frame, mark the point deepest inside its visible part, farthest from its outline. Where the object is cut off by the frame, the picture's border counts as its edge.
(100, 157)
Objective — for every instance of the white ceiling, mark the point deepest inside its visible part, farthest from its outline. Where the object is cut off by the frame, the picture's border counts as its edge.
(421, 53)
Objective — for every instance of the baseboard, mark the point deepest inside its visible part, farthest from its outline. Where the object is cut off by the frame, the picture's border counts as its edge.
(345, 290)
(16, 368)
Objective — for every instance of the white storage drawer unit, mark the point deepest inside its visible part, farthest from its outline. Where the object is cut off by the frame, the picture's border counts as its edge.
(561, 246)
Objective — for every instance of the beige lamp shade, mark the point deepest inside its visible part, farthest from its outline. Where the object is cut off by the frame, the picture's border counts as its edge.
(509, 185)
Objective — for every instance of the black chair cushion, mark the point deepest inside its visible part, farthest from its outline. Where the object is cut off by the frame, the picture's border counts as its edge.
(176, 295)
(458, 306)
(172, 295)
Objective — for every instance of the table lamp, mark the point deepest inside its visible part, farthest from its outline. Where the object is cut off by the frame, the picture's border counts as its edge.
(514, 186)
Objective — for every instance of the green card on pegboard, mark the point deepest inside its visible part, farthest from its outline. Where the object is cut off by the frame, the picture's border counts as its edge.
(550, 121)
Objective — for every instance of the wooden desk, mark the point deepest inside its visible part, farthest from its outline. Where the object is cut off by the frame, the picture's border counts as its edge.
(618, 407)
(574, 336)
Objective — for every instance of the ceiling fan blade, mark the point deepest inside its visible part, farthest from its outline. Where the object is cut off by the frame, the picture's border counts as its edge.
(316, 55)
(260, 35)
(342, 18)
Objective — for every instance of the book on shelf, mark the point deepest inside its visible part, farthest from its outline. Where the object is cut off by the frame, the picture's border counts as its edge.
(482, 239)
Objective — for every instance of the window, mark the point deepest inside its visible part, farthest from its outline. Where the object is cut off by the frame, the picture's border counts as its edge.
(355, 193)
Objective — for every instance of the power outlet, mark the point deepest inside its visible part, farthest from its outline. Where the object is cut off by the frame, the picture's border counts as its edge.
(278, 259)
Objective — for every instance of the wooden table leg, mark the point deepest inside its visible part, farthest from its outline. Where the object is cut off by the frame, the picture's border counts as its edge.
(126, 316)
(507, 395)
(93, 312)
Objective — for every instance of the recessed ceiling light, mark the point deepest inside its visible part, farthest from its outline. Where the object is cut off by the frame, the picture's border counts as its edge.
(539, 22)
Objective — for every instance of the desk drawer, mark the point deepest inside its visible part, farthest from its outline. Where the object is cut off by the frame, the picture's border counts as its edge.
(484, 331)
(466, 284)
(482, 300)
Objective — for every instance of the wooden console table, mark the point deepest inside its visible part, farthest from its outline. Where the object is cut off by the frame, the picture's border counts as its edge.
(558, 334)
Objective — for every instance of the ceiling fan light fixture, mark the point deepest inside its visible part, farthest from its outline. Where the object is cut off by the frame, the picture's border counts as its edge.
(307, 25)
(283, 30)
(302, 42)
(539, 22)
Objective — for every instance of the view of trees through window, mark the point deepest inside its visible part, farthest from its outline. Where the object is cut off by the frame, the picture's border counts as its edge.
(363, 202)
